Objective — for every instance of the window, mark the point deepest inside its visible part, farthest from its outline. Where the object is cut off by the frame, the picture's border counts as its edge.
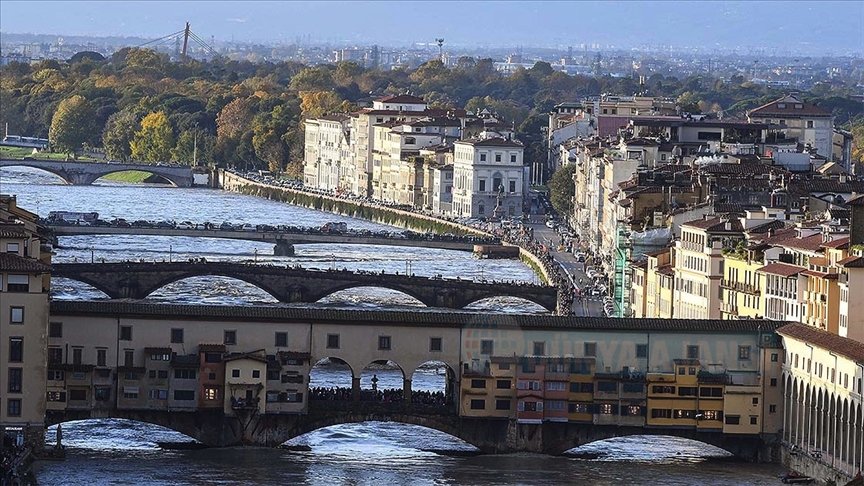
(686, 391)
(629, 387)
(77, 356)
(18, 283)
(229, 337)
(502, 404)
(577, 407)
(177, 335)
(809, 123)
(607, 386)
(163, 374)
(503, 384)
(477, 404)
(184, 394)
(486, 346)
(125, 333)
(332, 341)
(256, 373)
(715, 392)
(661, 413)
(513, 158)
(128, 357)
(15, 378)
(556, 386)
(130, 392)
(182, 374)
(273, 375)
(634, 410)
(478, 383)
(211, 394)
(212, 357)
(101, 357)
(692, 352)
(102, 393)
(235, 373)
(13, 407)
(772, 408)
(158, 394)
(582, 387)
(755, 400)
(590, 349)
(55, 355)
(733, 420)
(55, 330)
(482, 157)
(773, 382)
(56, 396)
(744, 353)
(754, 420)
(435, 344)
(12, 247)
(512, 186)
(605, 409)
(281, 339)
(497, 157)
(16, 315)
(55, 375)
(16, 349)
(773, 357)
(539, 348)
(641, 350)
(482, 185)
(531, 406)
(384, 343)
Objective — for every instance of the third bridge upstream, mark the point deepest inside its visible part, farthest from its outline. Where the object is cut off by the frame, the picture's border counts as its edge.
(292, 284)
(283, 240)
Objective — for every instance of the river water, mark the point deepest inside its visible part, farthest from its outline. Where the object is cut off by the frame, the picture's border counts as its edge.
(116, 452)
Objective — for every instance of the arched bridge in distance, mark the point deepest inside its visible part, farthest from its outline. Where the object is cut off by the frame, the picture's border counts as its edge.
(138, 280)
(284, 240)
(85, 173)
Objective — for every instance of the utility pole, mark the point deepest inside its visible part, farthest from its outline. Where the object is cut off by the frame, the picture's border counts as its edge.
(185, 41)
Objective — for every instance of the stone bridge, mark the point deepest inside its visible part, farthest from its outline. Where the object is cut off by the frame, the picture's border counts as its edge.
(283, 240)
(84, 173)
(489, 435)
(138, 280)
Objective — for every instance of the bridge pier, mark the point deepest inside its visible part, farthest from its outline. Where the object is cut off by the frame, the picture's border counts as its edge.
(283, 248)
(406, 390)
(355, 388)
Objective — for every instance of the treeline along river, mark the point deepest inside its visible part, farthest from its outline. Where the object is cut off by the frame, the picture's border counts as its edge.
(119, 452)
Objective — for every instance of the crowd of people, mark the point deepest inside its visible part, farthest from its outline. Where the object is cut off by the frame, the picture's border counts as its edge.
(12, 456)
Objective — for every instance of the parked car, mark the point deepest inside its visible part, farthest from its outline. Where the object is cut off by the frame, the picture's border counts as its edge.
(226, 226)
(185, 225)
(248, 227)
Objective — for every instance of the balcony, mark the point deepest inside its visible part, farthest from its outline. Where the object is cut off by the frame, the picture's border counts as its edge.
(729, 308)
(740, 287)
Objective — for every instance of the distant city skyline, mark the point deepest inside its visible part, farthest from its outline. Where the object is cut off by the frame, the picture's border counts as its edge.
(797, 28)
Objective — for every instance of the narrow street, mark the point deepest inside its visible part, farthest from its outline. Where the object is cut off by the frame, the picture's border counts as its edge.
(587, 306)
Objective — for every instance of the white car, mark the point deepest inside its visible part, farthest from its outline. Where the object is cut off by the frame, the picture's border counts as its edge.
(185, 225)
(550, 224)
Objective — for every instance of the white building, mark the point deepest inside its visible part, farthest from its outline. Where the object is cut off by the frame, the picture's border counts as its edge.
(328, 160)
(808, 123)
(483, 169)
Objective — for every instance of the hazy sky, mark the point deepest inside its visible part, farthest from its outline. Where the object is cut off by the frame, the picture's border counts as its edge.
(793, 26)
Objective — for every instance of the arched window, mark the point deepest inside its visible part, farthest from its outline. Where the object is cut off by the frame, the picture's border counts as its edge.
(496, 181)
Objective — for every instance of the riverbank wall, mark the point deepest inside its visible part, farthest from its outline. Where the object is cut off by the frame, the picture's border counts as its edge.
(230, 181)
(801, 462)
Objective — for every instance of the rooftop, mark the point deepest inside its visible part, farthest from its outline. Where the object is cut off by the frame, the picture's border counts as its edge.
(305, 315)
(788, 106)
(10, 262)
(840, 345)
(782, 269)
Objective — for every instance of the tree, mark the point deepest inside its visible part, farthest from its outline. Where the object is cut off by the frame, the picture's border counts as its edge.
(154, 141)
(314, 104)
(562, 189)
(234, 119)
(118, 134)
(71, 124)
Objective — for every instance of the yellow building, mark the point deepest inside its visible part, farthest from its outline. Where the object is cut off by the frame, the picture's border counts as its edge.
(652, 286)
(488, 389)
(24, 284)
(741, 285)
(581, 390)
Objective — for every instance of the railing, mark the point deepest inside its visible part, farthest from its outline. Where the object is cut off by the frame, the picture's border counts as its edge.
(729, 308)
(740, 287)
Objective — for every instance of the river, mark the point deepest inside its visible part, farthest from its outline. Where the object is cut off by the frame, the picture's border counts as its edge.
(115, 452)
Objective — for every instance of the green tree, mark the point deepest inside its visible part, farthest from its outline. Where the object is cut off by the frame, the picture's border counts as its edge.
(71, 125)
(118, 134)
(562, 188)
(188, 152)
(154, 141)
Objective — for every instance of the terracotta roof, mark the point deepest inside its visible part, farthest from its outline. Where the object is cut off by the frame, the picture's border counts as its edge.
(492, 142)
(838, 243)
(666, 270)
(716, 225)
(840, 345)
(786, 107)
(856, 201)
(10, 262)
(12, 230)
(211, 348)
(253, 356)
(811, 243)
(852, 262)
(403, 98)
(782, 269)
(412, 318)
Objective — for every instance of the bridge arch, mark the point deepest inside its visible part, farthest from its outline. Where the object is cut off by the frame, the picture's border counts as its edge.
(485, 303)
(648, 447)
(31, 165)
(334, 293)
(315, 297)
(167, 178)
(129, 422)
(140, 288)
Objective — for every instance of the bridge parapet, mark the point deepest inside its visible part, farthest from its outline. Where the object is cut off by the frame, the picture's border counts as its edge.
(85, 173)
